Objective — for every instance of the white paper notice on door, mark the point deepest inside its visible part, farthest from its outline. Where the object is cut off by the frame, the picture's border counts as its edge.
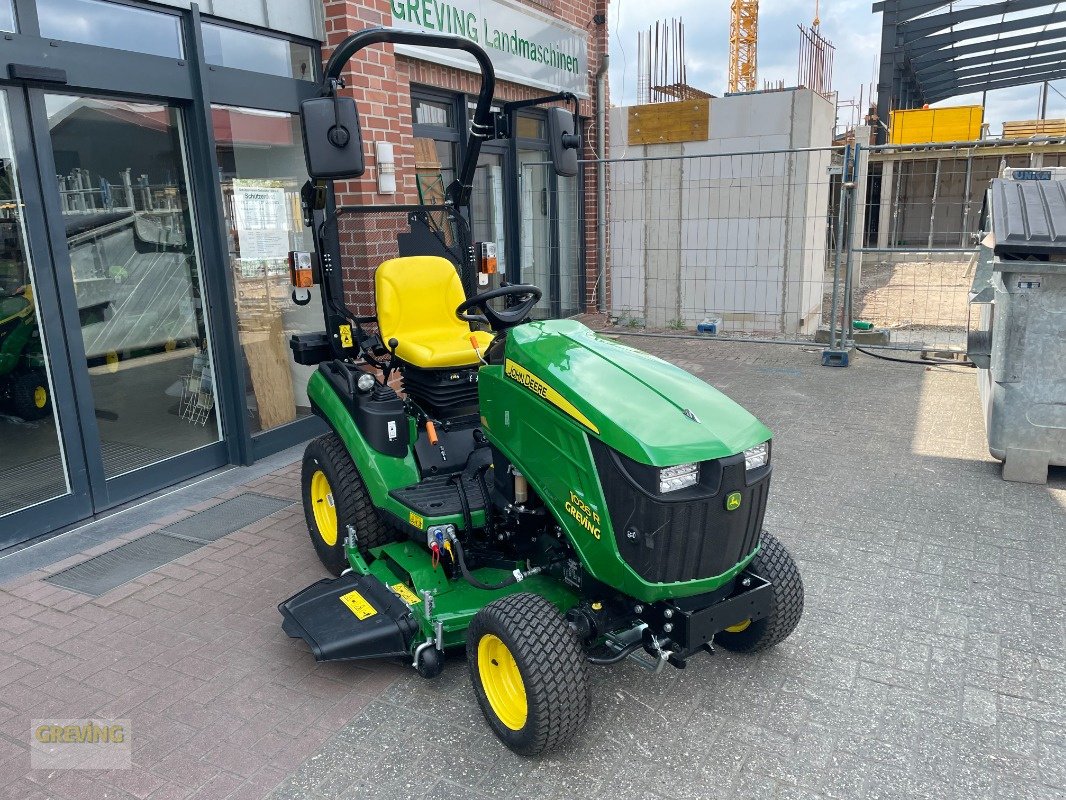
(262, 222)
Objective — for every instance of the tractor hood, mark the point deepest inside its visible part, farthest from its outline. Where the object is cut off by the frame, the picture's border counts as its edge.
(644, 407)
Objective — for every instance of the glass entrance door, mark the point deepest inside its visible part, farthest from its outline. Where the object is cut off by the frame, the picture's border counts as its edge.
(549, 247)
(534, 190)
(33, 453)
(127, 221)
(486, 206)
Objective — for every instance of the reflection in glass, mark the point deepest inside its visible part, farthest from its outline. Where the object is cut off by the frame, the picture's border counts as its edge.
(269, 55)
(570, 274)
(432, 112)
(260, 158)
(535, 229)
(7, 16)
(435, 169)
(486, 205)
(31, 459)
(530, 127)
(111, 25)
(125, 201)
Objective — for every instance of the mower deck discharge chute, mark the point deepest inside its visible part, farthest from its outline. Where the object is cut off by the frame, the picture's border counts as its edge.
(544, 497)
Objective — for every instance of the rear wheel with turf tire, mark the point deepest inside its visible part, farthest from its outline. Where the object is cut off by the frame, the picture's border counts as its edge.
(30, 398)
(335, 497)
(529, 673)
(775, 564)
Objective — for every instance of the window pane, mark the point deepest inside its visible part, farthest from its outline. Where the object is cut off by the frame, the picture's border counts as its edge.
(530, 128)
(431, 112)
(31, 458)
(230, 47)
(570, 274)
(486, 207)
(111, 25)
(261, 165)
(7, 15)
(535, 229)
(434, 169)
(136, 271)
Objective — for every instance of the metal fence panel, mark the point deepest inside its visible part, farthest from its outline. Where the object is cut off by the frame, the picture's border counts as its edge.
(738, 244)
(921, 223)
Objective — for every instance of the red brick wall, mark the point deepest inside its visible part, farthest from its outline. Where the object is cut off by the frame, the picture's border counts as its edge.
(380, 81)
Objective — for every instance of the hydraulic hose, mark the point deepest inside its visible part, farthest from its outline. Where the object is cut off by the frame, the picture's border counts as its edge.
(621, 655)
(485, 493)
(464, 501)
(461, 558)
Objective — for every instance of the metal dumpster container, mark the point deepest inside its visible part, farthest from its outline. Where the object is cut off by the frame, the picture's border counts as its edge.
(1019, 343)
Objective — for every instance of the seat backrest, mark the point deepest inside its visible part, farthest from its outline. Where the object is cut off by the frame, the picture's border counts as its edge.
(417, 293)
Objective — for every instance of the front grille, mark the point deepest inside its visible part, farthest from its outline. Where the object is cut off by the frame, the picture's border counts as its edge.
(668, 541)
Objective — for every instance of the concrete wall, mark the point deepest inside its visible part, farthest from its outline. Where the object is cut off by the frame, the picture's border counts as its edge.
(738, 230)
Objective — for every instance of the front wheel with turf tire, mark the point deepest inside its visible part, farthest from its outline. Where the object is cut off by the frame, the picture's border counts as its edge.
(30, 398)
(775, 564)
(334, 497)
(529, 673)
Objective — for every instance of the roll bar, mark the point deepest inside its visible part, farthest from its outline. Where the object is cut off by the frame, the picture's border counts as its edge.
(481, 128)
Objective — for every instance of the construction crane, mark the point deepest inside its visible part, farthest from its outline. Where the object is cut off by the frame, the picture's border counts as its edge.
(743, 45)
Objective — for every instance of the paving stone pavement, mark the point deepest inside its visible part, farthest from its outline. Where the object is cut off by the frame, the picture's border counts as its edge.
(929, 662)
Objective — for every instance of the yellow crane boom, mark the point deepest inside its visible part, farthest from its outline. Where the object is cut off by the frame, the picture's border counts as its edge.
(743, 45)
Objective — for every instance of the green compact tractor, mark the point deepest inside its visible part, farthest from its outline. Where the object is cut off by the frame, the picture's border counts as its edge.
(541, 495)
(23, 383)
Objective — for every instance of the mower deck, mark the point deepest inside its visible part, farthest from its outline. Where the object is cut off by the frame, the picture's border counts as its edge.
(348, 618)
(365, 614)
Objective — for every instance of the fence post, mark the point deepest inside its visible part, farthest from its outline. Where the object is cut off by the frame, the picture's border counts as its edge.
(857, 231)
(837, 355)
(842, 203)
(846, 339)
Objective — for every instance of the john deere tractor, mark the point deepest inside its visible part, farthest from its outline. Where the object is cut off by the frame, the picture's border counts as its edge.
(539, 494)
(23, 383)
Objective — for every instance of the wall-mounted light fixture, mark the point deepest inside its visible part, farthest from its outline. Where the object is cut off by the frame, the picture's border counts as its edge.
(386, 167)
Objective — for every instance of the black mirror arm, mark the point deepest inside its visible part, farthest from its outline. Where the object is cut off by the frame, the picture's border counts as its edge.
(481, 127)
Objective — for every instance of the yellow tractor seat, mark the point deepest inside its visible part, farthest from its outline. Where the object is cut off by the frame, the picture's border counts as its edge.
(416, 301)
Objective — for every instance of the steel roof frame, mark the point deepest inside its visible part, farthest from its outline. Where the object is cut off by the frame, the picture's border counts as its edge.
(925, 57)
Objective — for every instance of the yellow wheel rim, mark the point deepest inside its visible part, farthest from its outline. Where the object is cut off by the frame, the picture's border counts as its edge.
(324, 509)
(740, 626)
(502, 682)
(40, 397)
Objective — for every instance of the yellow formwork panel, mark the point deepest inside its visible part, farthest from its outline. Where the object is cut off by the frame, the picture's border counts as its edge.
(924, 125)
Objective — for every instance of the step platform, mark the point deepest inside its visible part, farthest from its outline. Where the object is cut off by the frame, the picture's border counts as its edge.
(348, 618)
(438, 495)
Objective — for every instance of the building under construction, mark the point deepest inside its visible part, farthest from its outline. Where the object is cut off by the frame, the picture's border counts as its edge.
(932, 51)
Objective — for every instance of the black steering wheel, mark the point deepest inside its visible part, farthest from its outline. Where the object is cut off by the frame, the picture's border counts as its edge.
(526, 297)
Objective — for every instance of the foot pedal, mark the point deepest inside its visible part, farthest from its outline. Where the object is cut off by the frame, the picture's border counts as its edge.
(350, 617)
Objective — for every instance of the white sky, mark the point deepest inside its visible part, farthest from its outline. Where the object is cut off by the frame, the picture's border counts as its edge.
(849, 24)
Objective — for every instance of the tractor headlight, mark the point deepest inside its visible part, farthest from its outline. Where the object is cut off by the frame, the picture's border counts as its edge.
(757, 456)
(365, 382)
(680, 477)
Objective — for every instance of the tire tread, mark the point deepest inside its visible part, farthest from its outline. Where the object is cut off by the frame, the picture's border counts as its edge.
(353, 503)
(555, 675)
(775, 564)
